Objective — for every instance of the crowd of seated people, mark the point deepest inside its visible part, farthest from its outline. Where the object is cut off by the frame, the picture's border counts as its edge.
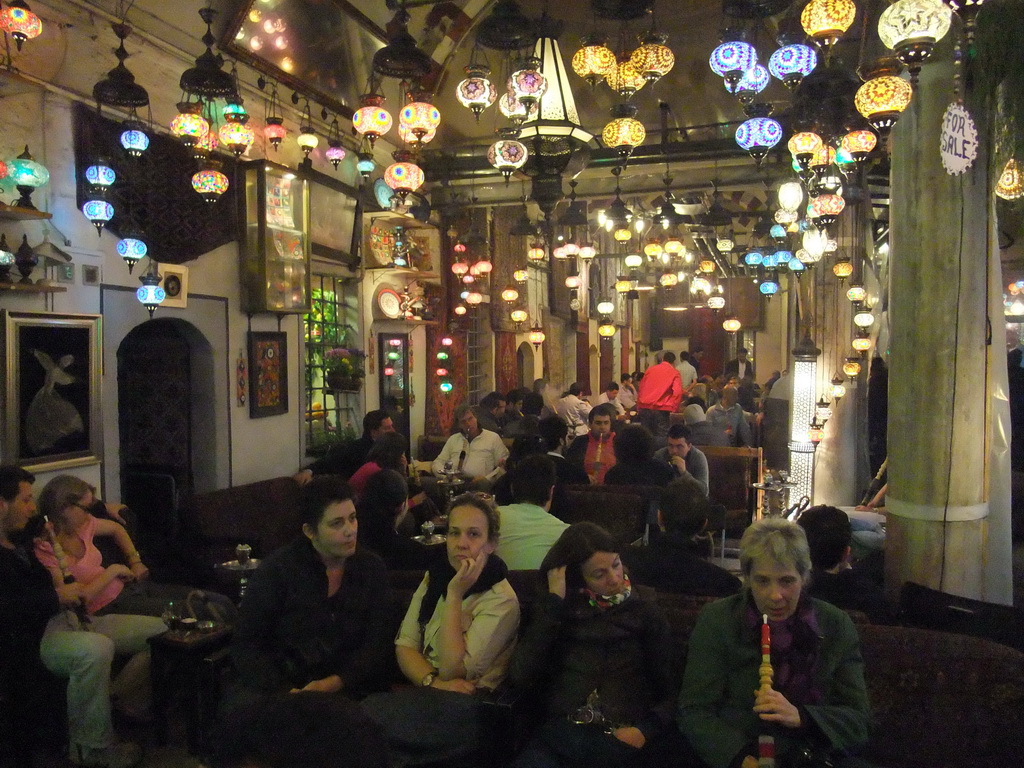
(314, 635)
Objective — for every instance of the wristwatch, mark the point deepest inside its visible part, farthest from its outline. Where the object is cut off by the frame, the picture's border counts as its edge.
(428, 679)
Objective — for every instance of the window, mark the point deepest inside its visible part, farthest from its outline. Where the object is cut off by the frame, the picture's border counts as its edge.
(478, 353)
(332, 415)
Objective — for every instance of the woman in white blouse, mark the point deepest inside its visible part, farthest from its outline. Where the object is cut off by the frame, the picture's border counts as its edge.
(454, 644)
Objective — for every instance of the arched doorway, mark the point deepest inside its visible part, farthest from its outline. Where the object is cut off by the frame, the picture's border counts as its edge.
(165, 424)
(524, 365)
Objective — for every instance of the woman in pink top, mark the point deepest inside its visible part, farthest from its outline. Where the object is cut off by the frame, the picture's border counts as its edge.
(64, 501)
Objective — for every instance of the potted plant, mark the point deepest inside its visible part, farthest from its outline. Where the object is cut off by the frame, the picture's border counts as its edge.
(344, 369)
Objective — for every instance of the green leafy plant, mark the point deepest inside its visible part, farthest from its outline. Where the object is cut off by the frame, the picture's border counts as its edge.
(345, 362)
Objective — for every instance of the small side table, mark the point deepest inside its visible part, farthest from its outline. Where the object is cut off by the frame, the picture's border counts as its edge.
(239, 572)
(177, 662)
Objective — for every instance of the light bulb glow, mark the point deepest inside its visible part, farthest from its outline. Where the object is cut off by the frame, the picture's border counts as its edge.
(791, 195)
(1010, 185)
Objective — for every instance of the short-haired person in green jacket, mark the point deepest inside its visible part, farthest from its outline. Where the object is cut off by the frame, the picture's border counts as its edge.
(818, 701)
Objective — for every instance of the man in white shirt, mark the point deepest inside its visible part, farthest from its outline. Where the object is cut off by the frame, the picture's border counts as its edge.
(477, 455)
(574, 409)
(686, 371)
(611, 395)
(527, 530)
(627, 393)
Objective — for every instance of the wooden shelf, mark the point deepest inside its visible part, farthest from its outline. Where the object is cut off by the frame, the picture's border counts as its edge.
(32, 288)
(13, 213)
(406, 271)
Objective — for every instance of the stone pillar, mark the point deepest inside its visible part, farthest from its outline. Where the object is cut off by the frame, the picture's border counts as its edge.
(938, 435)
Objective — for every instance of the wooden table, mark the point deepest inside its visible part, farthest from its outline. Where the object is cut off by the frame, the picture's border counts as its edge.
(177, 664)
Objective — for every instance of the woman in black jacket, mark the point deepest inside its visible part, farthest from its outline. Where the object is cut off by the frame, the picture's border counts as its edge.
(597, 648)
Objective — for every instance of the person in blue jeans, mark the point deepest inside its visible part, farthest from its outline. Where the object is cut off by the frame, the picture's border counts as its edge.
(41, 623)
(596, 654)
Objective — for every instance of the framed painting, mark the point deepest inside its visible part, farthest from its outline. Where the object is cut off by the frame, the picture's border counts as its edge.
(268, 373)
(52, 407)
(321, 49)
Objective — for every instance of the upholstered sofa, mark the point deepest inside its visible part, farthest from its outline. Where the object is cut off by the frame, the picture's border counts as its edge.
(939, 700)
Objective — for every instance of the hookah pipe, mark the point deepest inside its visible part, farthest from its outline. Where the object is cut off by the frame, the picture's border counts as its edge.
(79, 612)
(765, 742)
(875, 484)
(597, 458)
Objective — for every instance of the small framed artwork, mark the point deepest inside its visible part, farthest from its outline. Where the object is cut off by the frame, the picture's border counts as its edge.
(64, 273)
(174, 281)
(268, 373)
(90, 274)
(51, 367)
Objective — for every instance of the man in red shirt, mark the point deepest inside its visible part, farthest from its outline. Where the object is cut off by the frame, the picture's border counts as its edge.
(661, 391)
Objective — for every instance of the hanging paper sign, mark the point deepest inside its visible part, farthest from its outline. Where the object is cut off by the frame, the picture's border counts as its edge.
(959, 140)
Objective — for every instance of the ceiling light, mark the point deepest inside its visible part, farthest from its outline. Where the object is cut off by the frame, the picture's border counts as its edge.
(882, 98)
(400, 58)
(754, 81)
(859, 144)
(371, 119)
(852, 367)
(536, 336)
(420, 118)
(758, 134)
(802, 146)
(633, 261)
(206, 79)
(732, 59)
(731, 324)
(508, 156)
(510, 294)
(190, 125)
(716, 303)
(605, 307)
(864, 318)
(403, 176)
(653, 59)
(527, 83)
(1010, 185)
(792, 63)
(518, 315)
(18, 20)
(842, 269)
(624, 133)
(626, 79)
(536, 252)
(132, 249)
(606, 329)
(827, 20)
(476, 92)
(210, 183)
(911, 28)
(151, 294)
(856, 293)
(791, 193)
(594, 61)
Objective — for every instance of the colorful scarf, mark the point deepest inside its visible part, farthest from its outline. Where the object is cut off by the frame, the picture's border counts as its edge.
(796, 646)
(604, 602)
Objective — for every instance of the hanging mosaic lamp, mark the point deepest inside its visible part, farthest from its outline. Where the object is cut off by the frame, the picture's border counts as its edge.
(653, 59)
(521, 275)
(842, 269)
(731, 324)
(536, 336)
(733, 59)
(335, 152)
(371, 119)
(791, 195)
(100, 176)
(862, 341)
(210, 183)
(856, 293)
(594, 61)
(132, 249)
(134, 139)
(275, 131)
(883, 97)
(420, 118)
(792, 63)
(1010, 185)
(365, 165)
(536, 252)
(759, 133)
(235, 134)
(476, 92)
(189, 126)
(802, 146)
(827, 20)
(624, 133)
(716, 303)
(515, 110)
(725, 244)
(768, 288)
(626, 80)
(859, 144)
(151, 295)
(519, 316)
(99, 212)
(403, 175)
(911, 28)
(527, 82)
(852, 367)
(508, 156)
(754, 81)
(18, 20)
(825, 209)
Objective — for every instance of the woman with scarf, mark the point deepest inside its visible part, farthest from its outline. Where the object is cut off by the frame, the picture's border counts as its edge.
(454, 644)
(817, 706)
(599, 652)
